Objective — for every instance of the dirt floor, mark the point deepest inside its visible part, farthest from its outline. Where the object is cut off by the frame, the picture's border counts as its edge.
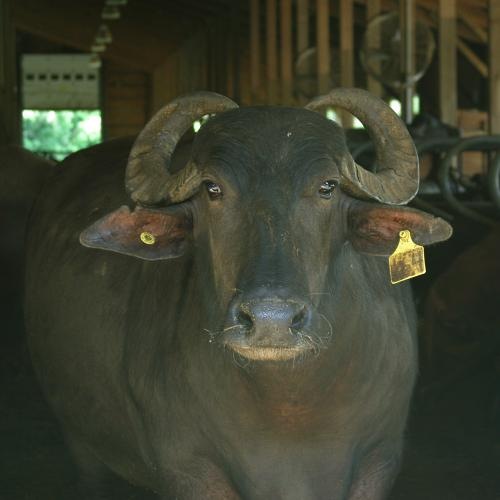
(452, 453)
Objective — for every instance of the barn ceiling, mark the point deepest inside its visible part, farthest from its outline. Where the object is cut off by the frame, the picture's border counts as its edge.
(149, 30)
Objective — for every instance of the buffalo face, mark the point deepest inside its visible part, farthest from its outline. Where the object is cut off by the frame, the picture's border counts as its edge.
(269, 199)
(266, 222)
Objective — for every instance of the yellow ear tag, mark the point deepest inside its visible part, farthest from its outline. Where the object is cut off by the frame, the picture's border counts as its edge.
(148, 238)
(408, 259)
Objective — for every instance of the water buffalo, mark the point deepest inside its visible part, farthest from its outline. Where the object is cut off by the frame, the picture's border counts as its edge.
(462, 318)
(22, 175)
(235, 335)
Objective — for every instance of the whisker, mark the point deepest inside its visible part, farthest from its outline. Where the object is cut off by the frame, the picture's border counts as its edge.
(231, 327)
(330, 333)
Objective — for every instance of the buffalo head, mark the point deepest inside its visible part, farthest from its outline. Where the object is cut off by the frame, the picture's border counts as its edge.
(270, 201)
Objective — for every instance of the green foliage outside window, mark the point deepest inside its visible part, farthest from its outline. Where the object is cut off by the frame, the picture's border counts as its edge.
(56, 134)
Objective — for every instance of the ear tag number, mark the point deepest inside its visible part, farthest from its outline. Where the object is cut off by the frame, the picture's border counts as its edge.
(147, 238)
(408, 259)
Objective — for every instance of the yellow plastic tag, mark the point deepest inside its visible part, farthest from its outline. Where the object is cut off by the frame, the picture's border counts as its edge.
(408, 259)
(148, 238)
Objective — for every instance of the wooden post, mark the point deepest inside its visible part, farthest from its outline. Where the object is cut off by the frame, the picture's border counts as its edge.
(373, 9)
(494, 81)
(286, 51)
(255, 48)
(448, 61)
(271, 52)
(10, 117)
(323, 44)
(407, 14)
(346, 19)
(232, 29)
(302, 25)
(161, 92)
(237, 49)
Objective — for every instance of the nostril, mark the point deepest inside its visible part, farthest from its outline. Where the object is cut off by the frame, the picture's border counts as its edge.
(299, 319)
(244, 319)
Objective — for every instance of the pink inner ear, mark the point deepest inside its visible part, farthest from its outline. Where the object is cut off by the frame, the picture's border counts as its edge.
(125, 225)
(387, 223)
(374, 229)
(120, 231)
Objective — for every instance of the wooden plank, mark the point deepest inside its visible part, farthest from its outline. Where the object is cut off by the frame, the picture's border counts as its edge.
(255, 47)
(448, 87)
(323, 44)
(476, 16)
(346, 19)
(229, 61)
(374, 9)
(407, 16)
(271, 52)
(481, 33)
(302, 25)
(236, 49)
(161, 88)
(494, 80)
(472, 57)
(286, 51)
(431, 19)
(10, 116)
(126, 102)
(246, 96)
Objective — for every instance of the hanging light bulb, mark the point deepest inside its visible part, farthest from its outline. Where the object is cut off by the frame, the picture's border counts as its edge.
(103, 35)
(94, 61)
(116, 3)
(110, 13)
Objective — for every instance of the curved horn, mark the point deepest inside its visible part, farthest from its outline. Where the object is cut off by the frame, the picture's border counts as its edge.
(147, 177)
(396, 181)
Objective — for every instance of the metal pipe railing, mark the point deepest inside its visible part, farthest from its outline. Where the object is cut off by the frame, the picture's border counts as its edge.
(479, 143)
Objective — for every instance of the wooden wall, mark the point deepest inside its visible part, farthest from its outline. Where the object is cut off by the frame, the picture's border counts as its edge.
(10, 130)
(126, 100)
(216, 59)
(184, 71)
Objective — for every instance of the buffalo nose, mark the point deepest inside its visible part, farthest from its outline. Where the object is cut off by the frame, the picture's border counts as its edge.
(273, 316)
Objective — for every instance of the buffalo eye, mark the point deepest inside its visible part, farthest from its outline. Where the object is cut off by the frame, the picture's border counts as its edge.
(214, 190)
(326, 189)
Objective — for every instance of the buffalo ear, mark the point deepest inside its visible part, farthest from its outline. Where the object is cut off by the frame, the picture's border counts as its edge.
(374, 228)
(149, 234)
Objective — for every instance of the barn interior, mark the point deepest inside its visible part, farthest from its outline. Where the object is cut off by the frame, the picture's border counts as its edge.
(73, 74)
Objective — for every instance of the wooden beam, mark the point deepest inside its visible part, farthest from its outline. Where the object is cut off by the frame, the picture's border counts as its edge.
(323, 44)
(374, 9)
(462, 46)
(494, 87)
(448, 61)
(10, 117)
(407, 22)
(302, 25)
(271, 52)
(346, 19)
(476, 16)
(472, 57)
(161, 87)
(286, 51)
(255, 48)
(481, 33)
(236, 49)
